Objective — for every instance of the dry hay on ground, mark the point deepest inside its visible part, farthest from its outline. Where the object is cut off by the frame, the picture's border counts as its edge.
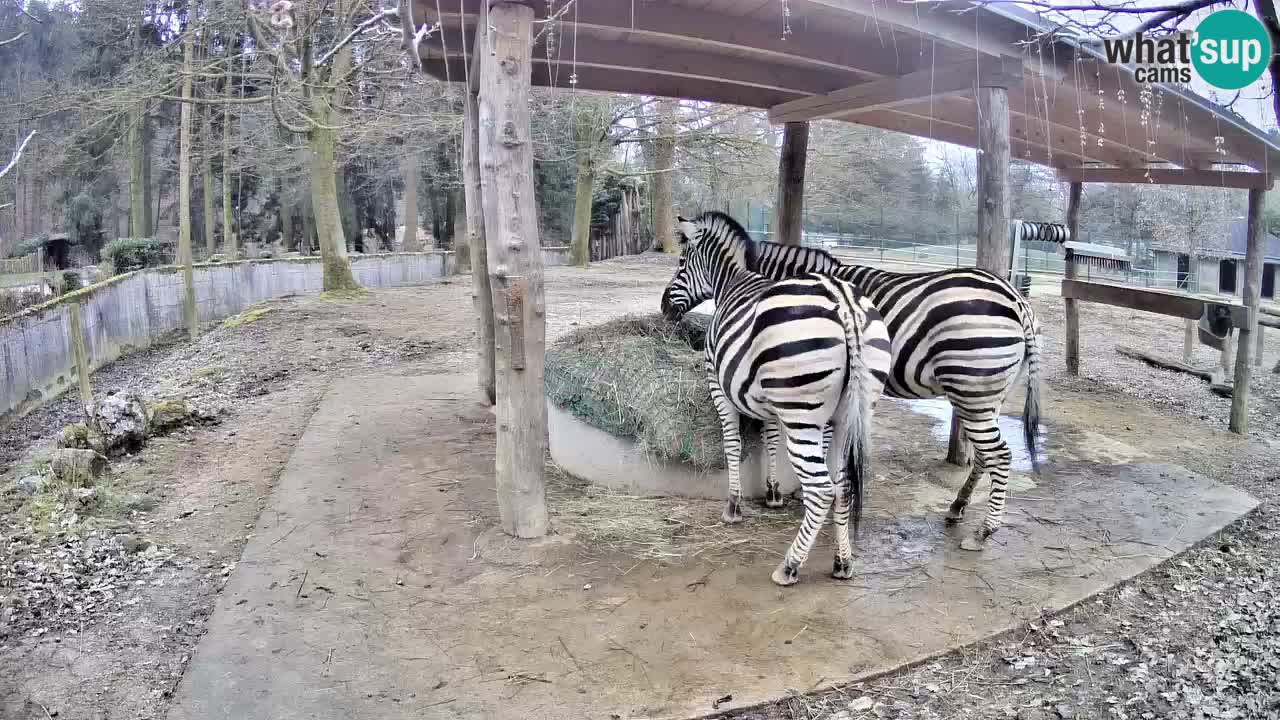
(640, 377)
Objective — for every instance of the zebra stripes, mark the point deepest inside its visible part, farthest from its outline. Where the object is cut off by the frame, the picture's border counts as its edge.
(964, 334)
(806, 355)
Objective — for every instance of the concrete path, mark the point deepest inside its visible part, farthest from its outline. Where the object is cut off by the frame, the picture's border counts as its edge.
(375, 587)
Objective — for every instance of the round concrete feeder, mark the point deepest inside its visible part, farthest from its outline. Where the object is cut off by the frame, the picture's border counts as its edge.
(616, 463)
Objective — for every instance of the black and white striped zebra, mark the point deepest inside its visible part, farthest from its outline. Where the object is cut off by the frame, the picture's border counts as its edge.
(965, 334)
(807, 355)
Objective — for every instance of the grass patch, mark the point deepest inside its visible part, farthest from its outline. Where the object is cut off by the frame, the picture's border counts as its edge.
(251, 315)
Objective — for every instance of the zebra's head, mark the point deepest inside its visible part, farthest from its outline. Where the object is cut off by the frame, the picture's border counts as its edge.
(711, 251)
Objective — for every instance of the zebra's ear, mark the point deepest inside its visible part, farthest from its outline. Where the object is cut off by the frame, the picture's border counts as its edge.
(688, 231)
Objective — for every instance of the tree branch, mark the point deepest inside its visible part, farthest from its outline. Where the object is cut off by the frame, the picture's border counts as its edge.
(13, 39)
(17, 155)
(380, 17)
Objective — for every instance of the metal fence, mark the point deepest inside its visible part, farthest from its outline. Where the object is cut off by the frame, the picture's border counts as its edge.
(32, 263)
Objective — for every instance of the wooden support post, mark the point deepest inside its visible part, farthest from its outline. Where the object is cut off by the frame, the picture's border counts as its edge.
(789, 206)
(481, 294)
(1189, 341)
(515, 268)
(76, 333)
(184, 191)
(994, 248)
(1257, 351)
(1252, 297)
(1071, 306)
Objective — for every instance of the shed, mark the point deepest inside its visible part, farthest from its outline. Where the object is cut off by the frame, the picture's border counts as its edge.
(1221, 269)
(991, 77)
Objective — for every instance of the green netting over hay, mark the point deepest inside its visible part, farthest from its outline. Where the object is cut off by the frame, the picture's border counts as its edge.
(640, 378)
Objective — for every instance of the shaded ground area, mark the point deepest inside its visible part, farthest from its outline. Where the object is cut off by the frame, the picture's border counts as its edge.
(1206, 623)
(377, 586)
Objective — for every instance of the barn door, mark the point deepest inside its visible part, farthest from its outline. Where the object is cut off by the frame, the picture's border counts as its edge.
(1184, 270)
(1269, 281)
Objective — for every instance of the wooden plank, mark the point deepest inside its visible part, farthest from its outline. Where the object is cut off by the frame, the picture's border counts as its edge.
(1152, 301)
(515, 270)
(1071, 307)
(1170, 176)
(931, 82)
(1269, 321)
(1188, 340)
(1164, 363)
(1252, 297)
(481, 292)
(789, 207)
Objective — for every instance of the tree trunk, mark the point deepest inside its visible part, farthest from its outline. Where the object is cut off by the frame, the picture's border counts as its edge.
(184, 192)
(664, 160)
(324, 180)
(478, 255)
(228, 231)
(206, 182)
(580, 239)
(450, 210)
(149, 206)
(411, 222)
(287, 240)
(139, 218)
(515, 264)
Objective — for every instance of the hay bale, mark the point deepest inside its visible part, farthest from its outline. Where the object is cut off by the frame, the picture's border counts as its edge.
(640, 377)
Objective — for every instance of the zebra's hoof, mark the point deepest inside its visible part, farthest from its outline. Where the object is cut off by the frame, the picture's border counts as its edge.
(955, 514)
(974, 543)
(732, 515)
(773, 497)
(842, 568)
(786, 574)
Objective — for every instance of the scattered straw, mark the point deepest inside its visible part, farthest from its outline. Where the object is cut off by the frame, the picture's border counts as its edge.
(663, 528)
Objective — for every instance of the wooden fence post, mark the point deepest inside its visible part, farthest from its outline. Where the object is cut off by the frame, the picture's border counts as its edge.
(81, 355)
(1070, 306)
(789, 207)
(1252, 297)
(994, 249)
(1189, 341)
(515, 268)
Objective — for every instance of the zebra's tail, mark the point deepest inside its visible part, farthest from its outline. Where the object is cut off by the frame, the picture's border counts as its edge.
(852, 431)
(1031, 408)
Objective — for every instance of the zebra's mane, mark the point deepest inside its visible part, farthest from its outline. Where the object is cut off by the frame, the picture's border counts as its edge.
(726, 232)
(756, 251)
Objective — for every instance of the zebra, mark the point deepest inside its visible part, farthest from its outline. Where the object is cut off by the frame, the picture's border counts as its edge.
(964, 333)
(807, 355)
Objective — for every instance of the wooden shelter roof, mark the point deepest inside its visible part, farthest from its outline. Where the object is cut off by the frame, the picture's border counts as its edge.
(905, 66)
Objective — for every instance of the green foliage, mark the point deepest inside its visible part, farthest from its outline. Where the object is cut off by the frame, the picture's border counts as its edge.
(82, 216)
(30, 245)
(554, 188)
(127, 254)
(70, 281)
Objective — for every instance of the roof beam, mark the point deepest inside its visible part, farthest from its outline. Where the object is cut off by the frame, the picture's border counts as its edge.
(625, 80)
(966, 135)
(658, 20)
(1000, 71)
(1170, 176)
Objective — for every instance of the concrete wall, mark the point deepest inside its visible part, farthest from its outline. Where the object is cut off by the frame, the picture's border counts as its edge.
(133, 310)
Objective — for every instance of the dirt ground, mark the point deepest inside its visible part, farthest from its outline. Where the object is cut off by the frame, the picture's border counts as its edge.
(1199, 637)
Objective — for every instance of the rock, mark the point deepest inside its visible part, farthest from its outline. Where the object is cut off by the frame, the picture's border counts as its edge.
(167, 415)
(861, 704)
(77, 468)
(87, 499)
(1032, 714)
(1066, 712)
(75, 436)
(31, 484)
(118, 424)
(131, 543)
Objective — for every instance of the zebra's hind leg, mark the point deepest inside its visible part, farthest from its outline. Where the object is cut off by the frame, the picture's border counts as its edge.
(842, 566)
(772, 494)
(956, 513)
(730, 426)
(991, 454)
(818, 493)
